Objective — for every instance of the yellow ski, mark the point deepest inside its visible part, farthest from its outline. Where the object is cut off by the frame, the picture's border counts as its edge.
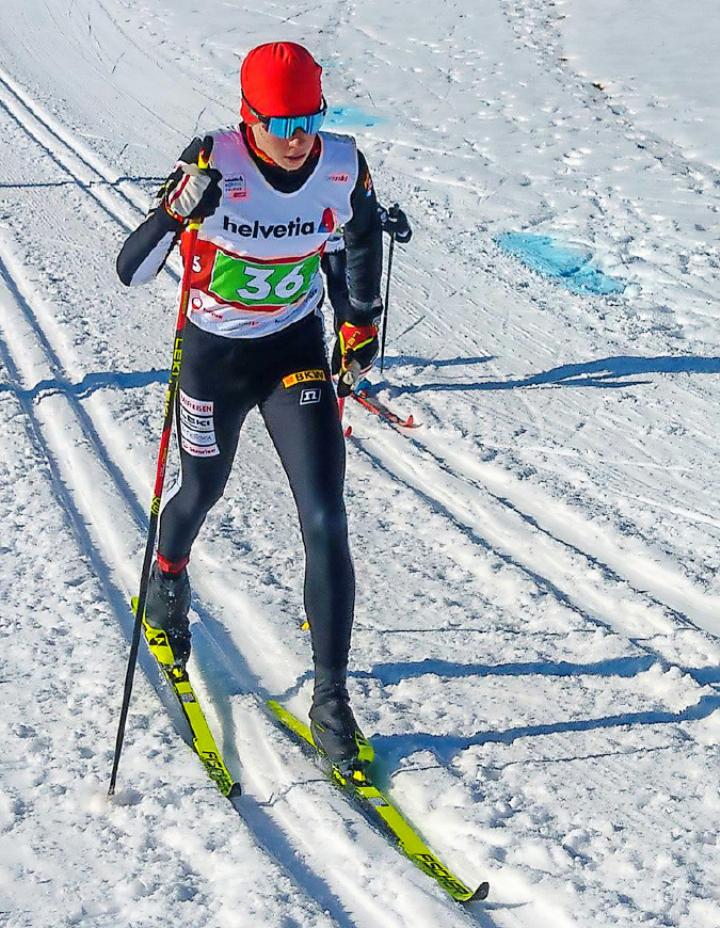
(203, 742)
(381, 812)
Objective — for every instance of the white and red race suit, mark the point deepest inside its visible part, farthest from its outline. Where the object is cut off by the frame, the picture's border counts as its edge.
(257, 259)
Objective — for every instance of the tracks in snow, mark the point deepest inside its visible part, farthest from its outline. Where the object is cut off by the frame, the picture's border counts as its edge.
(602, 579)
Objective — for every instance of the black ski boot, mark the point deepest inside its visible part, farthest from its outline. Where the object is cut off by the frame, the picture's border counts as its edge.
(166, 610)
(335, 732)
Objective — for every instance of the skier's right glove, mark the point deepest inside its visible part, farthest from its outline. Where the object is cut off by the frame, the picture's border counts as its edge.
(192, 192)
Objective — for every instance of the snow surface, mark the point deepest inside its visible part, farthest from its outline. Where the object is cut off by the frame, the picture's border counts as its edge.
(537, 645)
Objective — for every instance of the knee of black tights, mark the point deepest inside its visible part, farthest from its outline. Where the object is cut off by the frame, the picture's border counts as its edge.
(325, 525)
(199, 496)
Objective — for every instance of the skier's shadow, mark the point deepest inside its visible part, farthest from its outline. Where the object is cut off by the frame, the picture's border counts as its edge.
(393, 749)
(97, 380)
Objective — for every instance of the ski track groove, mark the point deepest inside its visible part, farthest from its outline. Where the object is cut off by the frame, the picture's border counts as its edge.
(458, 471)
(269, 837)
(57, 143)
(455, 509)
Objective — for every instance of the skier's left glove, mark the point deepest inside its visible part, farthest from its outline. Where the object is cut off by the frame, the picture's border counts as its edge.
(395, 223)
(355, 351)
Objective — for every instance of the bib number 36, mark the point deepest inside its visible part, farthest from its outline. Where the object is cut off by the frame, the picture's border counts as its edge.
(259, 287)
(237, 281)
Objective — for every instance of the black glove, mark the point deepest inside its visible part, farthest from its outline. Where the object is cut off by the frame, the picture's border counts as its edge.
(354, 353)
(395, 223)
(192, 192)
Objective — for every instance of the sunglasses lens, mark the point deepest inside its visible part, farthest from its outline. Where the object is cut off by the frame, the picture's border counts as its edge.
(285, 126)
(314, 122)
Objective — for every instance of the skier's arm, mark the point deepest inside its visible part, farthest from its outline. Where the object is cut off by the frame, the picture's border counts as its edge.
(363, 250)
(148, 247)
(188, 193)
(334, 266)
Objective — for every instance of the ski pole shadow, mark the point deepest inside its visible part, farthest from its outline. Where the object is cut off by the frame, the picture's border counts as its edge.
(629, 666)
(418, 362)
(395, 748)
(142, 181)
(606, 373)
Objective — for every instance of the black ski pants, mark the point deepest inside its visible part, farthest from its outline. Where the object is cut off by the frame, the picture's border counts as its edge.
(286, 376)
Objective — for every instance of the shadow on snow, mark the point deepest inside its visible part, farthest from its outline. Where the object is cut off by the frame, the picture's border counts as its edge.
(393, 748)
(605, 372)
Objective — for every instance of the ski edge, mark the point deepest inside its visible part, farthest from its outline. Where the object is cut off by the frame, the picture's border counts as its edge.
(385, 814)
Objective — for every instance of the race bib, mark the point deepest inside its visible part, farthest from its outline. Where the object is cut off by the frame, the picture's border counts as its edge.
(239, 280)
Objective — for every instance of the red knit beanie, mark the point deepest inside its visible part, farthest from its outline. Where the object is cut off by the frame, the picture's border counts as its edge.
(280, 79)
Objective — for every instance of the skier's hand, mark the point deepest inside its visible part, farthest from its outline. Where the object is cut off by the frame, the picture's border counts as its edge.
(355, 351)
(395, 223)
(192, 192)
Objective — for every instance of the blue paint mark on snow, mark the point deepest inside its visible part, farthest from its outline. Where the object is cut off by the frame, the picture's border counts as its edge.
(338, 116)
(571, 264)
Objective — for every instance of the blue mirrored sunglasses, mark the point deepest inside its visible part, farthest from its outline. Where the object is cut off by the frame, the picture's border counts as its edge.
(284, 127)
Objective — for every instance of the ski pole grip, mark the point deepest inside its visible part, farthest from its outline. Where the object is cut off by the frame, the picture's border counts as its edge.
(203, 164)
(205, 152)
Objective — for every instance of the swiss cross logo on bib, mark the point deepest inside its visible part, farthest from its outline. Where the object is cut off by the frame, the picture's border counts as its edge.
(235, 187)
(328, 223)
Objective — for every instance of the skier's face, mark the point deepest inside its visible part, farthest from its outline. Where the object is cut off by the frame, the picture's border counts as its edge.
(289, 154)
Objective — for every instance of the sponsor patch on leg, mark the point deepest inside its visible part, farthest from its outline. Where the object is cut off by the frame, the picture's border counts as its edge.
(310, 395)
(304, 377)
(197, 427)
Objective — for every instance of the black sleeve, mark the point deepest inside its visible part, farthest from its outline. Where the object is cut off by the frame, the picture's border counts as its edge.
(147, 249)
(334, 266)
(363, 246)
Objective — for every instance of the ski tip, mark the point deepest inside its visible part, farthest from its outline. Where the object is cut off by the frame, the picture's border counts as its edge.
(480, 893)
(410, 422)
(235, 792)
(348, 432)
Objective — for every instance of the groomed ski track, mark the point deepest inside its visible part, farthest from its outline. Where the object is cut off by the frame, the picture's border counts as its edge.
(637, 633)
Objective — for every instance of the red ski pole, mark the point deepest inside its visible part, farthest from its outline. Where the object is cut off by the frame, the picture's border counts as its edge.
(170, 394)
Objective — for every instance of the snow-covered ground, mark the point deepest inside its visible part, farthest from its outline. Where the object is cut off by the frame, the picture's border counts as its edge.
(537, 645)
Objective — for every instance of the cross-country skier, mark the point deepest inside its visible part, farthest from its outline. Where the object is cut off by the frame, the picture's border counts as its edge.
(274, 193)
